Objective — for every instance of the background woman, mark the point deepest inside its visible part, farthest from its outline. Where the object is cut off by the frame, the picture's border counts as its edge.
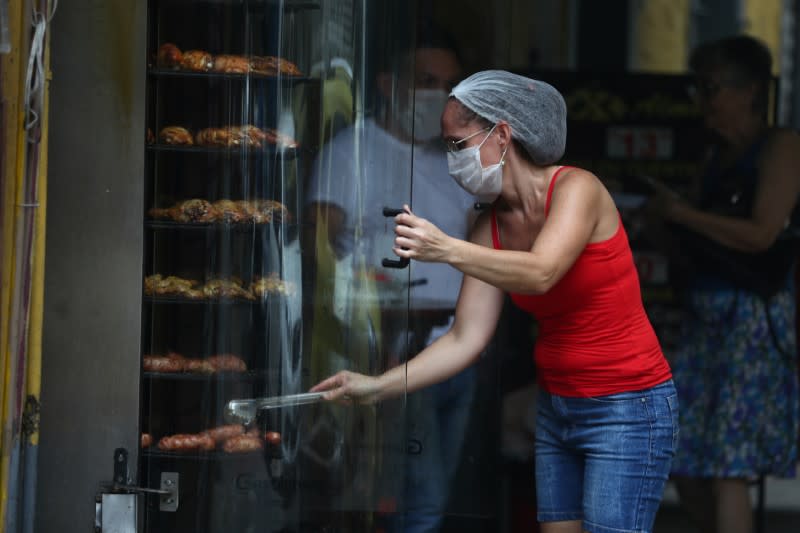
(736, 369)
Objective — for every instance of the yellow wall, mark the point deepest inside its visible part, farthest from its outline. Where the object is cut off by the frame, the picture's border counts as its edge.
(21, 376)
(763, 20)
(661, 36)
(12, 156)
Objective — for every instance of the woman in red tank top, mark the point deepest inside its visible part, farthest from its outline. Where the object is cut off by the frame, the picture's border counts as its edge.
(553, 239)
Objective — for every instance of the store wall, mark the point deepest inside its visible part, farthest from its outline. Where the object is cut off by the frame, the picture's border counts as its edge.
(474, 25)
(660, 36)
(508, 34)
(794, 98)
(89, 403)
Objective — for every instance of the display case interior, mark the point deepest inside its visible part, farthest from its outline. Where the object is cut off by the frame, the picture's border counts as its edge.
(234, 122)
(226, 110)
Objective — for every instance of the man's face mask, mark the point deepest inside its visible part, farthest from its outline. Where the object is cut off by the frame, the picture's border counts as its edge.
(428, 107)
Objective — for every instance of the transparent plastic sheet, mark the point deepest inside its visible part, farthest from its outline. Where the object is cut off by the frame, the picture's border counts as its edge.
(5, 35)
(242, 100)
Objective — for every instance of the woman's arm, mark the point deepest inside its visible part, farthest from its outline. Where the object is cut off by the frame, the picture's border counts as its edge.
(477, 312)
(577, 203)
(776, 195)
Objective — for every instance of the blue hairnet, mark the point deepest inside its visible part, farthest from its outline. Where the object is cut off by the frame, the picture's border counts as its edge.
(535, 110)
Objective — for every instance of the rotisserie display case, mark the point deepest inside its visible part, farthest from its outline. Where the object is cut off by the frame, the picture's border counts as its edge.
(235, 119)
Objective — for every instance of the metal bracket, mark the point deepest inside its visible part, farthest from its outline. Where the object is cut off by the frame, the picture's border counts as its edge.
(121, 466)
(120, 496)
(116, 513)
(169, 483)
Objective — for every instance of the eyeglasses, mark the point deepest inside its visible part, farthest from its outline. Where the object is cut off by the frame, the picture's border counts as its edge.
(706, 88)
(453, 145)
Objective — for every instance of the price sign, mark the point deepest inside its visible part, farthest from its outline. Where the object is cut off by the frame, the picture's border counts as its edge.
(634, 142)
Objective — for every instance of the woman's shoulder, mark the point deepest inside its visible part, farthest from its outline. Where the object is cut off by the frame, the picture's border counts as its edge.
(782, 137)
(781, 142)
(576, 180)
(575, 174)
(582, 194)
(782, 131)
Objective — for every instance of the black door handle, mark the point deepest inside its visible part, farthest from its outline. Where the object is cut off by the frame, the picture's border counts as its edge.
(394, 263)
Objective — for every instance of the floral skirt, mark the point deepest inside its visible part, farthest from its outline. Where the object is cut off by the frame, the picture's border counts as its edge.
(737, 382)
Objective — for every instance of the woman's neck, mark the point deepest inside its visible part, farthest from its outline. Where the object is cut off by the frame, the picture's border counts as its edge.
(526, 186)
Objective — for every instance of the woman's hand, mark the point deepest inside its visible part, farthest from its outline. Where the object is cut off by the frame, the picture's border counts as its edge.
(419, 239)
(349, 387)
(668, 206)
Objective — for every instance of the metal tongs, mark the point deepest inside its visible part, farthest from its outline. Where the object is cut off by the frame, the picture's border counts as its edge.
(245, 411)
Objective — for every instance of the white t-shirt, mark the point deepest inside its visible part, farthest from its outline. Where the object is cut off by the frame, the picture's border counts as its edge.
(364, 168)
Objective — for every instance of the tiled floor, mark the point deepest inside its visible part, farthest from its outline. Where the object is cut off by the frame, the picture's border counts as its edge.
(781, 515)
(672, 520)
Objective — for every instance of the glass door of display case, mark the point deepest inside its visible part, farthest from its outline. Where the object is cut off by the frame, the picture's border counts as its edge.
(267, 261)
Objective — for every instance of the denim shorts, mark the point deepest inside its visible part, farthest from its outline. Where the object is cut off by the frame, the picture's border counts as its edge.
(605, 460)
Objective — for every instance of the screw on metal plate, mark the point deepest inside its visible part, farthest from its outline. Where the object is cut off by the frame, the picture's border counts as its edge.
(121, 466)
(169, 482)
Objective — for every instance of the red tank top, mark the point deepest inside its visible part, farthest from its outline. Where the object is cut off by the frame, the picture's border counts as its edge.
(594, 336)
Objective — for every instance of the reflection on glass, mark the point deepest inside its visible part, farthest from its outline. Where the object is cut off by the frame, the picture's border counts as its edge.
(389, 155)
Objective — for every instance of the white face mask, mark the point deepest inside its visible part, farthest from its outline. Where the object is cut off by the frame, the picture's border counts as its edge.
(465, 167)
(428, 107)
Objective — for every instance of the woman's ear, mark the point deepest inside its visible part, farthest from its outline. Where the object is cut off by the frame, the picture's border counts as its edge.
(503, 130)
